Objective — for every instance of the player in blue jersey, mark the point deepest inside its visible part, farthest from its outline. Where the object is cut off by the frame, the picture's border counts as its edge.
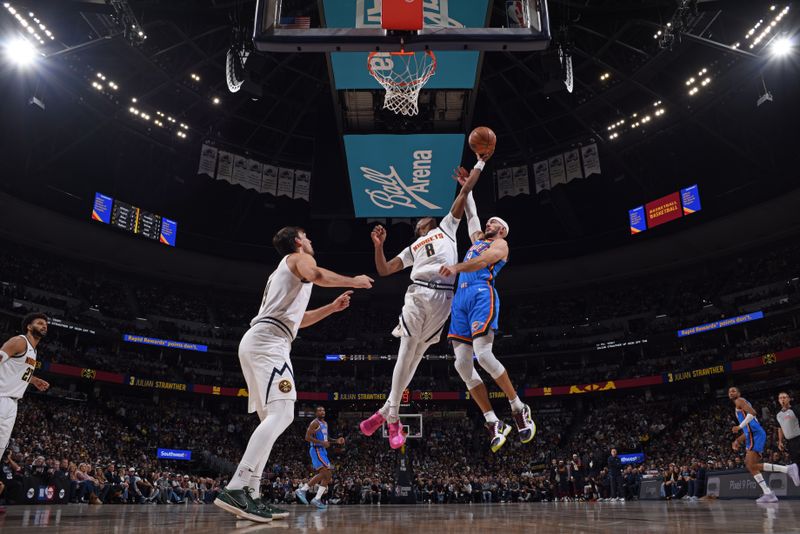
(317, 437)
(754, 437)
(473, 321)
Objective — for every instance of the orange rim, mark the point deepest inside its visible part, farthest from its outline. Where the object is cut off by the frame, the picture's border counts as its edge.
(418, 81)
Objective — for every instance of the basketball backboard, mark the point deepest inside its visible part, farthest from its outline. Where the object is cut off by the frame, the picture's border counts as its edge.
(412, 426)
(355, 26)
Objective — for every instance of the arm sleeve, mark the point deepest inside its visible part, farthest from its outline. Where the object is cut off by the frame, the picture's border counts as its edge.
(449, 226)
(473, 223)
(406, 257)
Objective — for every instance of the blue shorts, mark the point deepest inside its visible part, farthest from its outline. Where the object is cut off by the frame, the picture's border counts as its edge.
(755, 441)
(319, 458)
(474, 312)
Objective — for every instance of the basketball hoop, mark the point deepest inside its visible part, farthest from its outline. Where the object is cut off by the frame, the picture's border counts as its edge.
(403, 75)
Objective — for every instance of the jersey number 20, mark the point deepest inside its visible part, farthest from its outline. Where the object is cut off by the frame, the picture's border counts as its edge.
(26, 377)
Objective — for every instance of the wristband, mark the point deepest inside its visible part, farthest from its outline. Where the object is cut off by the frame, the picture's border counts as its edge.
(480, 165)
(3, 356)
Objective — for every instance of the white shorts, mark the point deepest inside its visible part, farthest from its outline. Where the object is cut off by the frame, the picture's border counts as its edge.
(267, 369)
(8, 415)
(424, 314)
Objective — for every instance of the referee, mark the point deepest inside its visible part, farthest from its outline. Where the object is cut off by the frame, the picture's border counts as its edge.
(789, 432)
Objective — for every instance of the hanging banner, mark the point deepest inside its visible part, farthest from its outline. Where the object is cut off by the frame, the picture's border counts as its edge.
(285, 182)
(541, 172)
(521, 185)
(239, 170)
(225, 168)
(252, 178)
(208, 160)
(591, 159)
(269, 180)
(505, 183)
(302, 184)
(557, 175)
(573, 164)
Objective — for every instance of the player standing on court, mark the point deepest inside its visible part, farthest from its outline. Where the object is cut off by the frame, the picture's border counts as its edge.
(754, 439)
(264, 357)
(473, 321)
(317, 438)
(427, 300)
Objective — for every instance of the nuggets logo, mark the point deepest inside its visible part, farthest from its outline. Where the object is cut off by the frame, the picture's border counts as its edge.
(769, 358)
(285, 386)
(88, 373)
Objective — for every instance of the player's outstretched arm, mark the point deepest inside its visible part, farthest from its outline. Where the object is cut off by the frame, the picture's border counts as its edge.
(497, 251)
(340, 303)
(385, 268)
(306, 267)
(13, 348)
(468, 182)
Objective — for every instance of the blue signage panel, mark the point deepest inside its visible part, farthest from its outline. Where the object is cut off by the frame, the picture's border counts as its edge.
(722, 323)
(690, 198)
(101, 211)
(454, 70)
(168, 343)
(638, 220)
(633, 458)
(173, 454)
(168, 230)
(402, 175)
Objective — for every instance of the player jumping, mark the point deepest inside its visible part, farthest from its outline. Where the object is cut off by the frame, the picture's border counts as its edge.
(317, 438)
(427, 300)
(755, 438)
(264, 357)
(473, 321)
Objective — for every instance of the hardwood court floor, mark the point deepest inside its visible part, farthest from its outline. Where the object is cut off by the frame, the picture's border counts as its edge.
(567, 518)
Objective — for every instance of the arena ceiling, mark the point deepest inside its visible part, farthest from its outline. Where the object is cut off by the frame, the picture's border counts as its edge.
(64, 139)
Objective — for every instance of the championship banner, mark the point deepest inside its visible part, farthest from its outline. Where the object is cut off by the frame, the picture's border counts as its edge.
(225, 167)
(521, 185)
(269, 180)
(252, 178)
(722, 323)
(402, 175)
(690, 198)
(557, 175)
(505, 183)
(572, 160)
(208, 160)
(302, 184)
(541, 173)
(285, 182)
(663, 210)
(239, 170)
(591, 159)
(637, 222)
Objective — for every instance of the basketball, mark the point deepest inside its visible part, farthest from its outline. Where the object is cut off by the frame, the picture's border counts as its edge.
(482, 140)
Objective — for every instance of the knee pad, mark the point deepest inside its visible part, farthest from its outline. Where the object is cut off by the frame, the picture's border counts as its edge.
(487, 360)
(467, 371)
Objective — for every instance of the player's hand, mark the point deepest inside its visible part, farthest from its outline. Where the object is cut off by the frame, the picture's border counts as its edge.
(460, 175)
(40, 384)
(362, 281)
(326, 443)
(781, 446)
(735, 445)
(486, 156)
(378, 235)
(342, 302)
(735, 429)
(340, 441)
(448, 270)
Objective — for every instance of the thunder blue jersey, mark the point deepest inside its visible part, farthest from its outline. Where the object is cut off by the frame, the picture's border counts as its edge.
(321, 434)
(754, 426)
(487, 273)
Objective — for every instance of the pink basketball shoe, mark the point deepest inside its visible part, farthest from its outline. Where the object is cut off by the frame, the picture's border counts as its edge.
(369, 426)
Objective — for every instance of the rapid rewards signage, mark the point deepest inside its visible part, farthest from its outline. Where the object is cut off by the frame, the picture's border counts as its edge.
(402, 175)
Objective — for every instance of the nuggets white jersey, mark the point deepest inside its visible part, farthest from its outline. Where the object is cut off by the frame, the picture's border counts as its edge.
(429, 252)
(16, 373)
(285, 301)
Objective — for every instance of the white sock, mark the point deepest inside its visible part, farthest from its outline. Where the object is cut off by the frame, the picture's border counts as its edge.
(304, 487)
(761, 482)
(770, 468)
(516, 404)
(384, 410)
(320, 492)
(408, 359)
(490, 417)
(254, 487)
(280, 414)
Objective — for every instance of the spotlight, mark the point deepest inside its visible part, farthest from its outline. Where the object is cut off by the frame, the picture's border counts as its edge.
(20, 51)
(781, 47)
(215, 100)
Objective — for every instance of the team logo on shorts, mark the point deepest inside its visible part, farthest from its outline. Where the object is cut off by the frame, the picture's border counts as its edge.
(285, 386)
(476, 325)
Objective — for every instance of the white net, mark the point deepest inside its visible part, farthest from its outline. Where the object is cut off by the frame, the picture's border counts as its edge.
(403, 75)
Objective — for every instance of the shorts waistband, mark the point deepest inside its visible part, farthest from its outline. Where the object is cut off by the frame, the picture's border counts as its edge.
(278, 325)
(462, 285)
(434, 285)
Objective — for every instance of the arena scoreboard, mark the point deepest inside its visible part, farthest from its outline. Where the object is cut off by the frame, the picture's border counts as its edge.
(135, 220)
(665, 209)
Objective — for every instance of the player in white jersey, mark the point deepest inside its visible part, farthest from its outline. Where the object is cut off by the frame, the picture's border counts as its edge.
(427, 300)
(264, 357)
(17, 365)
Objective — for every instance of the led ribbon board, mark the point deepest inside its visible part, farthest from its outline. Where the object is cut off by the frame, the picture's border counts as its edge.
(454, 70)
(402, 175)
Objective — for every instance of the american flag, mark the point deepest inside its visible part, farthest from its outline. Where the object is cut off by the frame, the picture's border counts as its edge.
(295, 23)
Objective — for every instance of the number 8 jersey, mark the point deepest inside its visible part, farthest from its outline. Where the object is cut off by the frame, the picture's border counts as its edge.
(429, 252)
(16, 372)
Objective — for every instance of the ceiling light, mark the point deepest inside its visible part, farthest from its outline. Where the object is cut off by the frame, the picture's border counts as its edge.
(215, 100)
(20, 51)
(781, 47)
